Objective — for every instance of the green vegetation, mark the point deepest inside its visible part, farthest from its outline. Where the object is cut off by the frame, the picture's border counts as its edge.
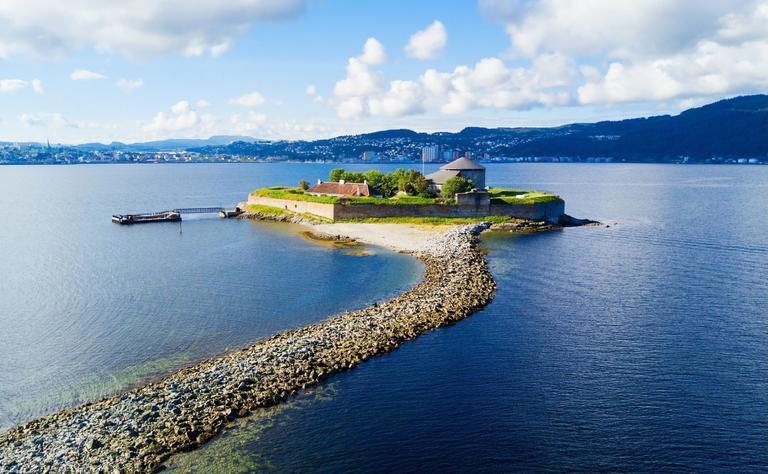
(294, 194)
(397, 200)
(410, 181)
(432, 220)
(304, 184)
(455, 185)
(277, 212)
(517, 196)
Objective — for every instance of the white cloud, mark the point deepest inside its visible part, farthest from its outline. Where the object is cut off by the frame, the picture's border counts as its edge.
(37, 86)
(351, 107)
(85, 75)
(253, 99)
(311, 90)
(47, 119)
(202, 103)
(373, 52)
(221, 48)
(640, 50)
(135, 28)
(491, 84)
(360, 80)
(641, 28)
(246, 124)
(182, 119)
(712, 69)
(12, 85)
(180, 107)
(426, 43)
(403, 98)
(128, 85)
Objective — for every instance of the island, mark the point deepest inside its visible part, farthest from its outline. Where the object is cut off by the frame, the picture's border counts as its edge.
(455, 193)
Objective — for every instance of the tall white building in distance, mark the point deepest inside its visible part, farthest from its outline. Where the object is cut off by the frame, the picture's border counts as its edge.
(430, 154)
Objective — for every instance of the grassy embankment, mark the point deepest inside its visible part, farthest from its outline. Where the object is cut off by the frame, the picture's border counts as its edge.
(433, 220)
(509, 196)
(282, 213)
(519, 196)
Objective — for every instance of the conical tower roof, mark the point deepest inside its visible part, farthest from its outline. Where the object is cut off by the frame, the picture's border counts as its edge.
(462, 164)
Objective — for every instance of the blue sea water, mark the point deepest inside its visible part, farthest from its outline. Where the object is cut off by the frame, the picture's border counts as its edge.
(642, 346)
(88, 307)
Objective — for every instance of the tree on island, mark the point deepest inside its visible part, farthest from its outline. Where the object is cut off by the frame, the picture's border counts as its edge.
(336, 174)
(456, 185)
(410, 181)
(303, 184)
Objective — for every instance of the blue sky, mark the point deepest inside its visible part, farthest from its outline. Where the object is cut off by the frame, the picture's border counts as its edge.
(293, 69)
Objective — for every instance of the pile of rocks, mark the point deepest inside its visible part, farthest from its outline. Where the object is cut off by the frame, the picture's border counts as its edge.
(137, 431)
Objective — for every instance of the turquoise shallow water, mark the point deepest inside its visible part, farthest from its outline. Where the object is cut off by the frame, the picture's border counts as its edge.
(88, 307)
(638, 347)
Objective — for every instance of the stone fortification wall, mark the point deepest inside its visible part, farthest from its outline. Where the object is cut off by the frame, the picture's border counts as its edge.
(545, 211)
(549, 211)
(299, 207)
(363, 211)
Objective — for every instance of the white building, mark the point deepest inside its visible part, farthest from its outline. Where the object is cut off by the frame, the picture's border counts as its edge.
(430, 154)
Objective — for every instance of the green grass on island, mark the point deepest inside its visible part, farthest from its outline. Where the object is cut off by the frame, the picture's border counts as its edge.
(293, 194)
(509, 196)
(519, 196)
(433, 220)
(277, 212)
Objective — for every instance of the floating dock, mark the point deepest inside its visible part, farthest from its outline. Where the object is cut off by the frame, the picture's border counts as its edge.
(173, 215)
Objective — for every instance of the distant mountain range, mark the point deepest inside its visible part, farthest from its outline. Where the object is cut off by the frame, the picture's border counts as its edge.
(731, 128)
(734, 128)
(166, 145)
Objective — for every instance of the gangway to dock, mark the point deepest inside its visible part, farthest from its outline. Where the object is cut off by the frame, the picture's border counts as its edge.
(199, 210)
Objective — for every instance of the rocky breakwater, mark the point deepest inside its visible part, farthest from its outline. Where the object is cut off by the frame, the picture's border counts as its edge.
(138, 430)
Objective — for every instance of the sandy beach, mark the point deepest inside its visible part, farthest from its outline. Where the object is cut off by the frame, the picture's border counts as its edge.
(399, 237)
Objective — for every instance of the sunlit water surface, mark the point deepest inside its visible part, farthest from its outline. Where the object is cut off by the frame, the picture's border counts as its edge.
(638, 347)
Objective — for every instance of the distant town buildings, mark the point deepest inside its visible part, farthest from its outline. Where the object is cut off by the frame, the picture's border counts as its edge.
(430, 154)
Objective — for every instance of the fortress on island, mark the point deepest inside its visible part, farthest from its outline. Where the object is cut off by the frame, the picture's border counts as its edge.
(416, 196)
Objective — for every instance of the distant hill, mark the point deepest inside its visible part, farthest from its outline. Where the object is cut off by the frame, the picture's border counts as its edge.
(727, 129)
(167, 145)
(734, 128)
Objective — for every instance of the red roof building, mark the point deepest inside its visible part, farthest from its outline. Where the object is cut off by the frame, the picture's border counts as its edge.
(340, 189)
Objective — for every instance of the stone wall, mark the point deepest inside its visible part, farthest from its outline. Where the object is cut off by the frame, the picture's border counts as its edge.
(544, 211)
(476, 176)
(300, 207)
(548, 211)
(362, 211)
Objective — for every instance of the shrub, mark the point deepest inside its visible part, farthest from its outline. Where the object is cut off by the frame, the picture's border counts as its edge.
(352, 177)
(411, 182)
(303, 184)
(374, 178)
(454, 185)
(336, 174)
(388, 186)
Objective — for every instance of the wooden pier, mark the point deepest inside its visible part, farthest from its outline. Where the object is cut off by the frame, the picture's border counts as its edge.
(173, 215)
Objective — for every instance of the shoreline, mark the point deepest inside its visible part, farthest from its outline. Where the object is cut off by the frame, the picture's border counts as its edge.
(137, 430)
